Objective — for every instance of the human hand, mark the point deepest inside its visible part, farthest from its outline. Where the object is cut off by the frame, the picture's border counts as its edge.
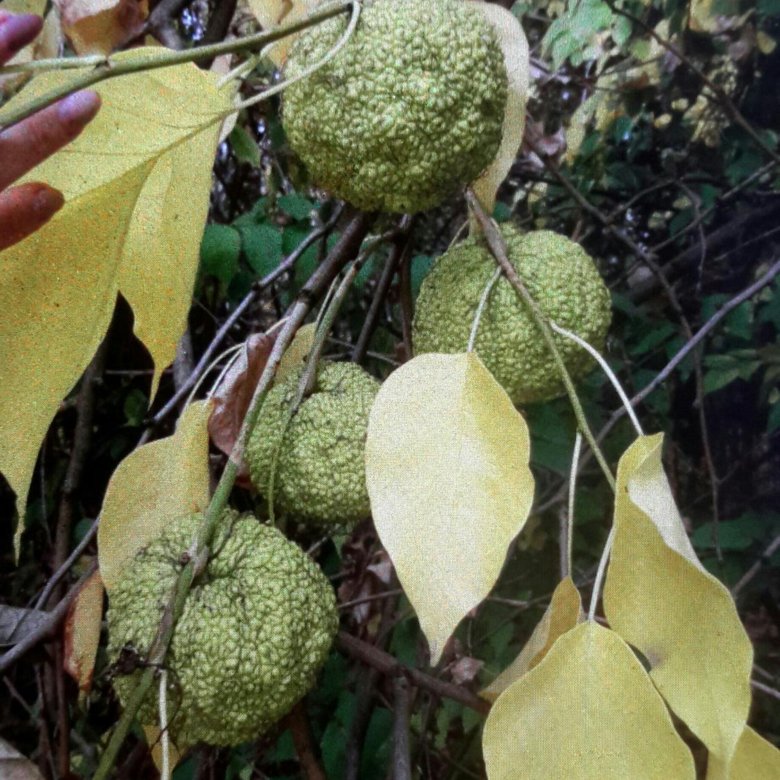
(26, 208)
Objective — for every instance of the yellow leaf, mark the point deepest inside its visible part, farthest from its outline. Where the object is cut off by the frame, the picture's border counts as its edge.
(137, 185)
(587, 712)
(100, 26)
(447, 473)
(295, 355)
(274, 13)
(765, 42)
(754, 759)
(82, 631)
(563, 613)
(152, 734)
(153, 485)
(515, 47)
(659, 599)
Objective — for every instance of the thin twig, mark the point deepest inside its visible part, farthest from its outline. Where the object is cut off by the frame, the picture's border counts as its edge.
(773, 547)
(47, 627)
(389, 666)
(775, 694)
(300, 729)
(402, 767)
(498, 250)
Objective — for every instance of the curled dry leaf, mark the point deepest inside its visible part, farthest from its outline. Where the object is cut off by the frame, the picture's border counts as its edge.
(101, 26)
(14, 766)
(82, 631)
(153, 485)
(515, 47)
(447, 474)
(233, 396)
(563, 613)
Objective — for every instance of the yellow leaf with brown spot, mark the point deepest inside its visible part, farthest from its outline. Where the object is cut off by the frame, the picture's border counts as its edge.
(82, 631)
(659, 598)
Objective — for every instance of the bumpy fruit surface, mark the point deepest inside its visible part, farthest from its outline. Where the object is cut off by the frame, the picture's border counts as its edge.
(408, 112)
(319, 474)
(558, 273)
(256, 627)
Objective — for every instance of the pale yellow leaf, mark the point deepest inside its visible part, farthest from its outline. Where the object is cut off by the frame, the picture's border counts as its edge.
(101, 26)
(515, 47)
(563, 613)
(136, 184)
(295, 355)
(754, 759)
(447, 473)
(82, 631)
(274, 13)
(659, 599)
(152, 486)
(588, 711)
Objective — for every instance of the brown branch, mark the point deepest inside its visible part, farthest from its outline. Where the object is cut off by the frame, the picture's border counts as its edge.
(298, 723)
(402, 766)
(397, 255)
(47, 628)
(387, 665)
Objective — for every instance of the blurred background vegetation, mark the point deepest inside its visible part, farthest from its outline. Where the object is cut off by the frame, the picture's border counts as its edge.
(652, 140)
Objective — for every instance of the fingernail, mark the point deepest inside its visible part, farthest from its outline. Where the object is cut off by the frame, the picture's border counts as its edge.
(19, 30)
(79, 108)
(47, 201)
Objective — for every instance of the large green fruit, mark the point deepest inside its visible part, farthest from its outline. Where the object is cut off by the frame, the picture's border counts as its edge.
(256, 628)
(558, 273)
(319, 475)
(411, 109)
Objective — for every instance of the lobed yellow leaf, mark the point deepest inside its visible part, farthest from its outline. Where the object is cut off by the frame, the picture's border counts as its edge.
(136, 184)
(587, 711)
(660, 600)
(152, 486)
(82, 632)
(447, 473)
(562, 614)
(754, 759)
(515, 46)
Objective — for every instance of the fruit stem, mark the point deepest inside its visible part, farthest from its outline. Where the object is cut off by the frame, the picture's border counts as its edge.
(481, 308)
(497, 248)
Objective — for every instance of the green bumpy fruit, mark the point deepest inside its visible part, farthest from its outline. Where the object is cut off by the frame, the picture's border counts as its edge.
(407, 113)
(319, 475)
(256, 627)
(561, 277)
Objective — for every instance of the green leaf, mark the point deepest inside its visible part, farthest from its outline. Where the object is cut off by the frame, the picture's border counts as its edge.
(262, 246)
(244, 146)
(219, 252)
(296, 206)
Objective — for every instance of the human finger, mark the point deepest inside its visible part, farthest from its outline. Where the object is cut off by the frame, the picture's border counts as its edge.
(26, 144)
(16, 31)
(24, 209)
